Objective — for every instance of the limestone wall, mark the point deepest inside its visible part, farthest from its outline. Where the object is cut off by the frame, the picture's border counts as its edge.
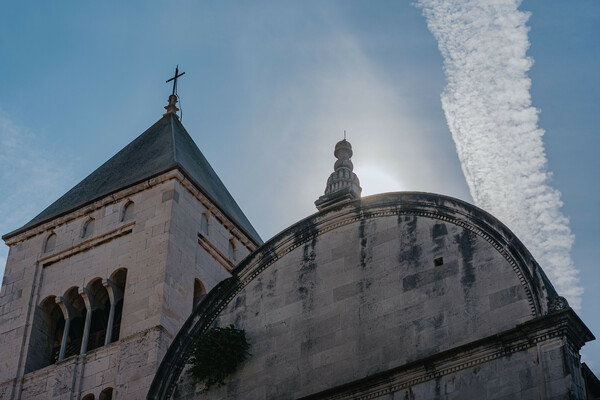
(159, 248)
(368, 297)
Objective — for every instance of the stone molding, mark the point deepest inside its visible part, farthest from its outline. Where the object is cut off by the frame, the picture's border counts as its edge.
(529, 334)
(535, 283)
(215, 253)
(87, 245)
(173, 174)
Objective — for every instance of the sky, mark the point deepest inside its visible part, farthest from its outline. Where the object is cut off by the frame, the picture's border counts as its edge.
(495, 105)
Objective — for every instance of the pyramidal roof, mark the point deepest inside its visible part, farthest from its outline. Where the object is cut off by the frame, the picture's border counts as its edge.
(164, 146)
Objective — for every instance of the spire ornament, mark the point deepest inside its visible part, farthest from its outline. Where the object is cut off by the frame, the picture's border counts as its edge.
(172, 106)
(343, 184)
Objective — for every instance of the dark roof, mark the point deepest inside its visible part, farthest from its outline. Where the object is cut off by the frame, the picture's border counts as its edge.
(164, 146)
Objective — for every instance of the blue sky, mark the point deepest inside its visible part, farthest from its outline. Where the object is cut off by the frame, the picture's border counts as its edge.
(269, 88)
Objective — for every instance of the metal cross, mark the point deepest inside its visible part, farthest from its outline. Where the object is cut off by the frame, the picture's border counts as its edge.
(174, 79)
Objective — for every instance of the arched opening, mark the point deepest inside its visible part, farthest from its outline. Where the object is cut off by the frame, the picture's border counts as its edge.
(88, 397)
(119, 278)
(77, 324)
(106, 394)
(204, 224)
(50, 243)
(100, 314)
(128, 211)
(88, 228)
(231, 250)
(46, 335)
(199, 292)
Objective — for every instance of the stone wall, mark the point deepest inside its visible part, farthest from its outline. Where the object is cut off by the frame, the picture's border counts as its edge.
(160, 250)
(411, 288)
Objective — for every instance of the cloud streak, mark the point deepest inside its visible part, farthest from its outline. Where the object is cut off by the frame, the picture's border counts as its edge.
(488, 109)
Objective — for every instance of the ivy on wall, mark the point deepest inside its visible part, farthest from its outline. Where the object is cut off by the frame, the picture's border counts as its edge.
(217, 354)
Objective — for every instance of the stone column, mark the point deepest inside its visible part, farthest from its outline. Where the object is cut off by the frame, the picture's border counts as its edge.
(90, 305)
(68, 313)
(115, 295)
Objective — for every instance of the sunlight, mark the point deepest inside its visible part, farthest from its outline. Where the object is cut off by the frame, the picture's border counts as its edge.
(375, 179)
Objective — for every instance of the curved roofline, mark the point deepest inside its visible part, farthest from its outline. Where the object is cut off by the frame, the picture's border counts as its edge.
(445, 208)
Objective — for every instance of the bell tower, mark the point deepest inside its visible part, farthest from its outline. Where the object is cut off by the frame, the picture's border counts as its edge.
(97, 285)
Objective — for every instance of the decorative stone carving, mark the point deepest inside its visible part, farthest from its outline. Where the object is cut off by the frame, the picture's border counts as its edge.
(557, 303)
(342, 184)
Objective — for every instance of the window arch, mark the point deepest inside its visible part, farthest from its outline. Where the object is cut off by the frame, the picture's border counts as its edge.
(128, 211)
(88, 397)
(46, 335)
(88, 228)
(119, 279)
(106, 394)
(50, 243)
(100, 314)
(204, 224)
(231, 249)
(199, 292)
(77, 323)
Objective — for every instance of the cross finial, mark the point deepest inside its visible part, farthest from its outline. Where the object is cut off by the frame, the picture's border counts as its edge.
(172, 106)
(174, 79)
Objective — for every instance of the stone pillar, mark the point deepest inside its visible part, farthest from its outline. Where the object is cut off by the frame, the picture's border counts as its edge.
(68, 313)
(90, 306)
(115, 295)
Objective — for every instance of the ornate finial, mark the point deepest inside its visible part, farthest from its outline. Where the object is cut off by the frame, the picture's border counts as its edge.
(172, 106)
(342, 184)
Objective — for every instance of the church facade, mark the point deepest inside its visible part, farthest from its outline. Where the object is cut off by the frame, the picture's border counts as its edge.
(399, 295)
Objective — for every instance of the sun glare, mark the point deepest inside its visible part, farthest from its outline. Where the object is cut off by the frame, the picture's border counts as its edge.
(375, 179)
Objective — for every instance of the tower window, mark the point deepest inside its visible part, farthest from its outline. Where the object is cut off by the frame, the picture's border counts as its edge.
(50, 243)
(204, 224)
(128, 211)
(199, 292)
(231, 250)
(106, 394)
(88, 228)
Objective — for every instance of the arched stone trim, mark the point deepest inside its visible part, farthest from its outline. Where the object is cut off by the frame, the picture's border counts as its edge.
(205, 223)
(116, 288)
(49, 242)
(231, 250)
(106, 394)
(87, 229)
(116, 295)
(199, 292)
(536, 285)
(128, 211)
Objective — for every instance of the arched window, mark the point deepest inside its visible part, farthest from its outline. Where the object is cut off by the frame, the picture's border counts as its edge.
(106, 394)
(128, 211)
(119, 278)
(199, 292)
(88, 228)
(77, 324)
(46, 335)
(100, 314)
(204, 224)
(88, 397)
(50, 243)
(231, 250)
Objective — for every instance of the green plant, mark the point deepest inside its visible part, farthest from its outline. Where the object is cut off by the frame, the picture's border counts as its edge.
(216, 354)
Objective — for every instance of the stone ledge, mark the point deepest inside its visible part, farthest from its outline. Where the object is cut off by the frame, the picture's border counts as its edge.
(560, 324)
(87, 245)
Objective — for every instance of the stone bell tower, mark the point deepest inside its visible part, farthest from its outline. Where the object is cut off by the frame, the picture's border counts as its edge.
(98, 284)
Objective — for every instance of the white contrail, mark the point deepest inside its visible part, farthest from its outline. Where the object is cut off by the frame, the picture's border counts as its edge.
(488, 108)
